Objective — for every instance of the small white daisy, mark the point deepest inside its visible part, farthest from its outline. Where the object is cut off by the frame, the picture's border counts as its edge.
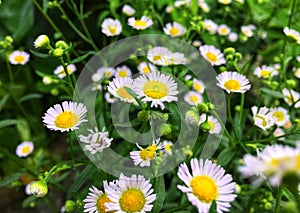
(265, 71)
(212, 55)
(143, 157)
(280, 115)
(105, 72)
(262, 117)
(111, 27)
(224, 1)
(128, 10)
(223, 30)
(24, 149)
(291, 33)
(279, 132)
(19, 57)
(196, 43)
(140, 24)
(204, 6)
(180, 3)
(159, 55)
(174, 29)
(193, 98)
(60, 72)
(233, 37)
(145, 68)
(65, 117)
(298, 58)
(198, 85)
(176, 58)
(210, 26)
(130, 194)
(117, 88)
(109, 98)
(207, 183)
(156, 88)
(123, 72)
(168, 147)
(291, 97)
(215, 126)
(296, 72)
(27, 188)
(42, 42)
(233, 82)
(96, 200)
(248, 30)
(169, 9)
(95, 141)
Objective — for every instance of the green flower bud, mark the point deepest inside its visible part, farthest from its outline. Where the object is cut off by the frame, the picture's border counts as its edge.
(54, 92)
(291, 83)
(290, 207)
(58, 52)
(202, 108)
(229, 57)
(166, 116)
(143, 116)
(268, 206)
(163, 129)
(39, 188)
(9, 39)
(238, 56)
(211, 106)
(42, 42)
(47, 80)
(70, 205)
(61, 44)
(237, 108)
(205, 126)
(229, 51)
(277, 59)
(223, 69)
(187, 151)
(189, 84)
(274, 84)
(192, 117)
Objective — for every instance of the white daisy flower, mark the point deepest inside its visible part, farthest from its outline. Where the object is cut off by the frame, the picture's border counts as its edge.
(233, 82)
(128, 10)
(298, 58)
(65, 117)
(143, 157)
(159, 55)
(204, 6)
(262, 34)
(168, 147)
(123, 72)
(233, 37)
(41, 42)
(240, 1)
(196, 43)
(207, 183)
(291, 33)
(24, 149)
(291, 97)
(212, 55)
(265, 71)
(19, 57)
(96, 200)
(262, 117)
(60, 72)
(192, 117)
(193, 98)
(176, 58)
(223, 30)
(279, 132)
(156, 88)
(105, 72)
(224, 1)
(210, 26)
(174, 29)
(111, 27)
(140, 24)
(280, 115)
(27, 188)
(198, 85)
(145, 68)
(130, 194)
(109, 98)
(95, 141)
(169, 9)
(247, 30)
(117, 88)
(296, 72)
(215, 126)
(180, 3)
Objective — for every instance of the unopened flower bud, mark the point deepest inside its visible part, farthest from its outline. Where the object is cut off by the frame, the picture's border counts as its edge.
(229, 51)
(163, 129)
(202, 108)
(61, 44)
(39, 188)
(205, 126)
(238, 56)
(42, 42)
(143, 116)
(47, 80)
(70, 205)
(223, 69)
(290, 207)
(54, 92)
(229, 57)
(291, 83)
(9, 39)
(58, 52)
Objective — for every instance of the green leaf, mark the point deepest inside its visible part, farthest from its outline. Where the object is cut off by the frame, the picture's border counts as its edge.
(275, 94)
(3, 101)
(159, 187)
(286, 193)
(30, 97)
(8, 122)
(213, 207)
(81, 58)
(28, 200)
(40, 55)
(9, 179)
(225, 156)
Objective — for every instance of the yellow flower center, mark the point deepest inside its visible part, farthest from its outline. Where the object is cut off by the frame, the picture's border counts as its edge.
(107, 74)
(123, 73)
(25, 150)
(290, 99)
(100, 203)
(148, 153)
(174, 31)
(298, 162)
(264, 121)
(291, 35)
(194, 99)
(146, 69)
(223, 31)
(197, 87)
(156, 57)
(112, 29)
(211, 56)
(19, 58)
(132, 200)
(123, 94)
(232, 84)
(168, 147)
(265, 73)
(66, 120)
(279, 116)
(204, 188)
(155, 89)
(212, 125)
(140, 23)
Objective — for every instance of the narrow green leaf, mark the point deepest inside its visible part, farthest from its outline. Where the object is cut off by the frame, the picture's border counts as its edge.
(225, 156)
(286, 193)
(40, 55)
(30, 96)
(213, 207)
(275, 94)
(159, 186)
(80, 58)
(9, 179)
(8, 122)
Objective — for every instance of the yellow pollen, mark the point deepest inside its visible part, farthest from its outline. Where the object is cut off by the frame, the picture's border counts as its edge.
(146, 154)
(19, 58)
(123, 73)
(174, 31)
(194, 99)
(132, 200)
(279, 116)
(66, 120)
(152, 148)
(155, 89)
(156, 57)
(297, 162)
(223, 31)
(204, 188)
(112, 29)
(265, 73)
(197, 87)
(211, 56)
(140, 23)
(123, 94)
(168, 148)
(107, 74)
(146, 69)
(232, 84)
(264, 121)
(212, 125)
(100, 203)
(25, 150)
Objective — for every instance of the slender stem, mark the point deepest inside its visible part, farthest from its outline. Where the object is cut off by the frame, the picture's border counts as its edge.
(229, 110)
(278, 199)
(268, 139)
(72, 151)
(177, 208)
(11, 77)
(242, 107)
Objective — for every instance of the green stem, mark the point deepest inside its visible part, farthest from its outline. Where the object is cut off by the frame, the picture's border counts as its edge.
(72, 151)
(269, 139)
(242, 107)
(11, 77)
(177, 208)
(278, 200)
